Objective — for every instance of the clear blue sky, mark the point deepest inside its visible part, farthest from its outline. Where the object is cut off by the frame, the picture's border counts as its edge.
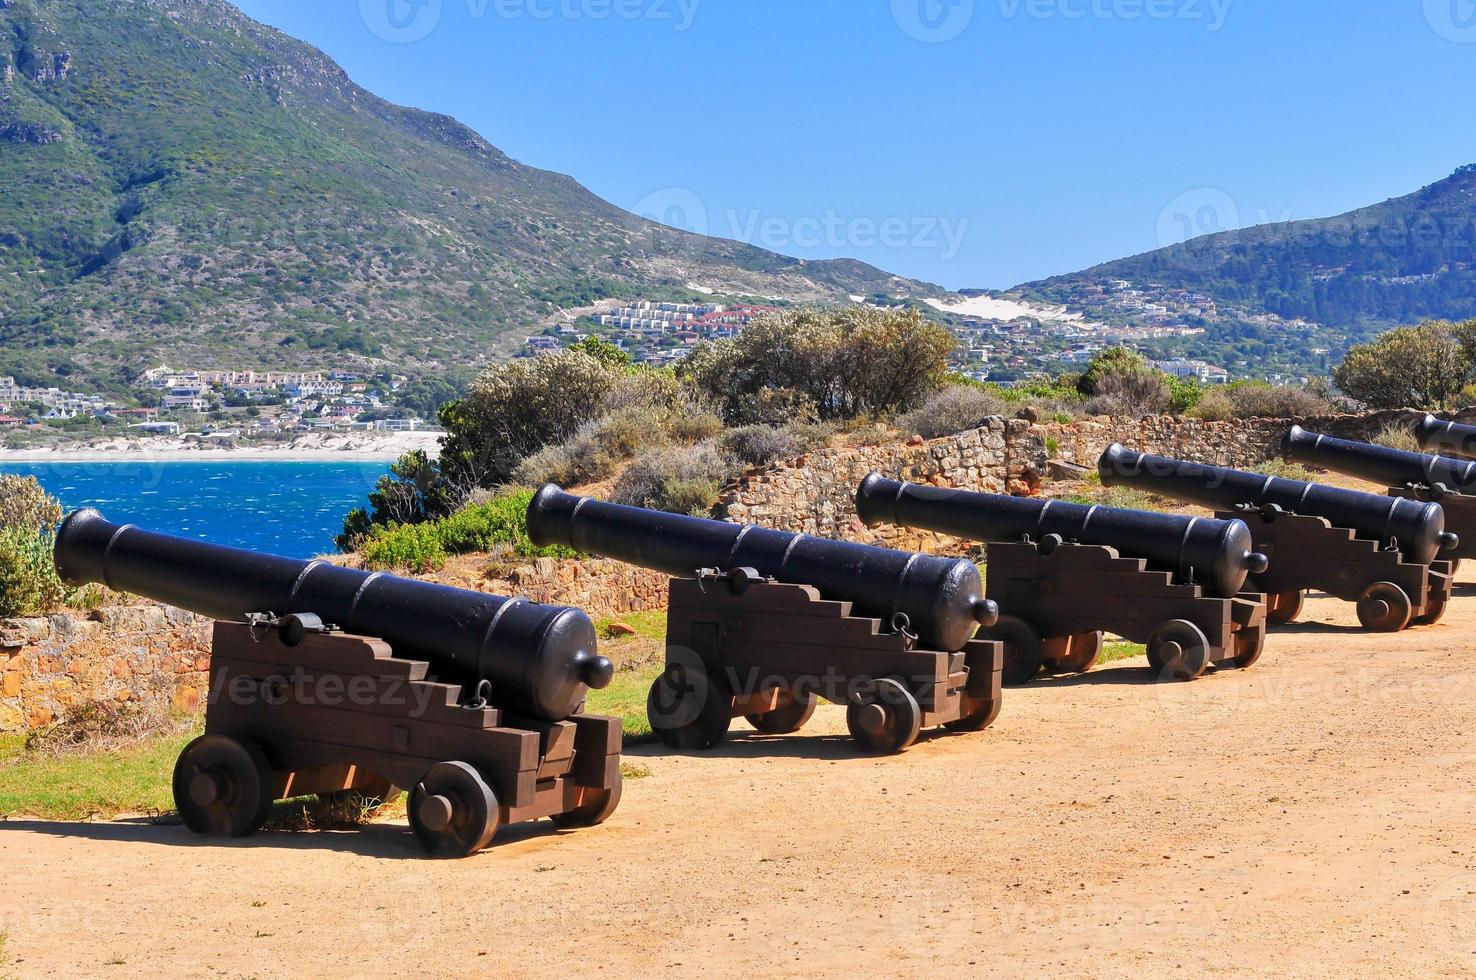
(966, 142)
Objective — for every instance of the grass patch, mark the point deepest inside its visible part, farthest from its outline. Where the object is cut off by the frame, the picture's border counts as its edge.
(626, 698)
(1120, 650)
(634, 770)
(649, 625)
(82, 785)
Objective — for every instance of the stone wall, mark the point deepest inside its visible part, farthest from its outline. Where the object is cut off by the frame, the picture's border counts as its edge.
(604, 589)
(51, 665)
(814, 493)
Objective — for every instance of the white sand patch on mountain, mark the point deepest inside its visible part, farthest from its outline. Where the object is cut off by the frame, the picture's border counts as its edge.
(989, 308)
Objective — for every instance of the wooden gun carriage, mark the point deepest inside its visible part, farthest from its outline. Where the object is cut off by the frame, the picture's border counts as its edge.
(740, 645)
(1062, 597)
(1172, 582)
(1391, 592)
(332, 712)
(1382, 553)
(472, 702)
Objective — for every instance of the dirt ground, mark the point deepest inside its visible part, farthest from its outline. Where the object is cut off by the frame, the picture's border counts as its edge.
(1313, 815)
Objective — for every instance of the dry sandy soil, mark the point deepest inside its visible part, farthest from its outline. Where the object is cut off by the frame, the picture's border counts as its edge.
(1313, 815)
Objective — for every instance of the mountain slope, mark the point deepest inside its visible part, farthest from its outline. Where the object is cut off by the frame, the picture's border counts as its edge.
(1404, 260)
(182, 182)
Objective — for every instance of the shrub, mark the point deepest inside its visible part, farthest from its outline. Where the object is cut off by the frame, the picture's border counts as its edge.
(1411, 367)
(682, 480)
(29, 584)
(515, 409)
(501, 523)
(496, 525)
(845, 363)
(760, 445)
(1397, 436)
(953, 409)
(1256, 399)
(25, 505)
(1132, 392)
(597, 449)
(1286, 471)
(1113, 360)
(1215, 406)
(412, 492)
(412, 547)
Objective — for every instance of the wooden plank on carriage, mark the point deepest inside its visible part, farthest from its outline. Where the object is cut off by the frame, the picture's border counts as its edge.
(331, 651)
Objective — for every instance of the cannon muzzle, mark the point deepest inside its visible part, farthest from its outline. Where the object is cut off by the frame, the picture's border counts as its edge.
(1216, 554)
(539, 660)
(1446, 438)
(1379, 464)
(942, 600)
(1418, 528)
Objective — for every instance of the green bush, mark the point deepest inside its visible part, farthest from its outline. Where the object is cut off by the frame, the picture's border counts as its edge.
(682, 480)
(413, 547)
(760, 445)
(957, 408)
(26, 506)
(29, 584)
(1397, 436)
(597, 449)
(498, 525)
(840, 363)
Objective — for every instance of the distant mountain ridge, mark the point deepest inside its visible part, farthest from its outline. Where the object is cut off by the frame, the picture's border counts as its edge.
(1408, 259)
(183, 182)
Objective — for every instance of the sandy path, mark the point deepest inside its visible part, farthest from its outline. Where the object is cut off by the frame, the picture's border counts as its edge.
(1314, 815)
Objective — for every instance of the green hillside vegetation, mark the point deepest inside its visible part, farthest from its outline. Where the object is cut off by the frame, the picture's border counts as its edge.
(182, 181)
(1399, 262)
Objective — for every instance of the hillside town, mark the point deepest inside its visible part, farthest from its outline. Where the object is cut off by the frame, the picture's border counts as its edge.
(651, 332)
(221, 404)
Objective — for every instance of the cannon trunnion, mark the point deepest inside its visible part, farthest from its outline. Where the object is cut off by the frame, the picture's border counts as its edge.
(1301, 529)
(1064, 574)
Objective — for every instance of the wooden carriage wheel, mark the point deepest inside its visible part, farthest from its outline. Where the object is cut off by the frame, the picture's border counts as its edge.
(793, 712)
(596, 809)
(1024, 649)
(1284, 607)
(1250, 643)
(223, 786)
(453, 811)
(689, 708)
(1178, 650)
(1433, 612)
(1075, 654)
(1385, 608)
(886, 720)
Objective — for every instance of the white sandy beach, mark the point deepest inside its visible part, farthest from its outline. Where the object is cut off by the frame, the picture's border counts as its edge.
(315, 447)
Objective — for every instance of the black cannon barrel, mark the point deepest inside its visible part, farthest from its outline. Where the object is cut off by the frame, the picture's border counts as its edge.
(943, 599)
(1419, 528)
(1218, 555)
(1391, 467)
(1450, 438)
(539, 659)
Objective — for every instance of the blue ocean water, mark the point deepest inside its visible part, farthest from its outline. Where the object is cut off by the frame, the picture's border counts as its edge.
(291, 509)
